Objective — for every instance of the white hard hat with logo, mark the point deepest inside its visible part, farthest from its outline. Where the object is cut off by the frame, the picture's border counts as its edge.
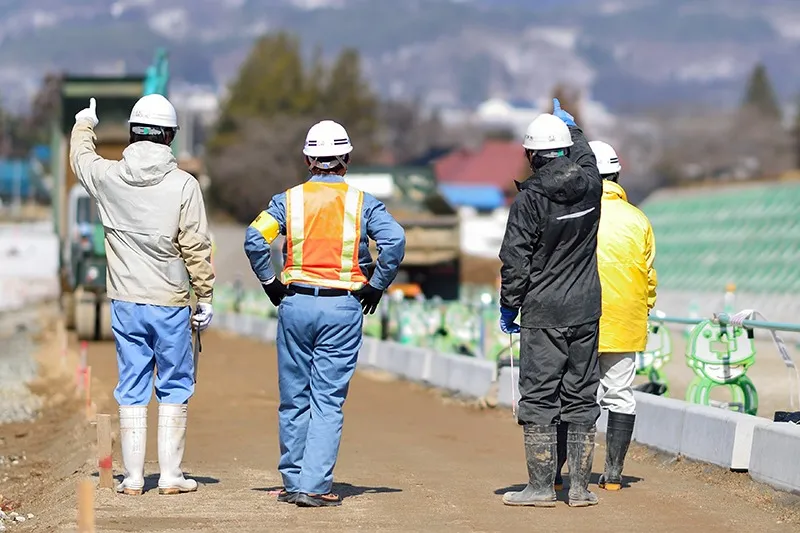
(547, 132)
(327, 139)
(607, 160)
(154, 110)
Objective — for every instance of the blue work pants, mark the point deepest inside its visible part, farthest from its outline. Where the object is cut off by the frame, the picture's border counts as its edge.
(150, 337)
(318, 343)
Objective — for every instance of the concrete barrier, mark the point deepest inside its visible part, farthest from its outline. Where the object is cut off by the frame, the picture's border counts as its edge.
(659, 422)
(220, 321)
(416, 360)
(719, 436)
(393, 358)
(506, 381)
(368, 353)
(774, 456)
(464, 375)
(468, 376)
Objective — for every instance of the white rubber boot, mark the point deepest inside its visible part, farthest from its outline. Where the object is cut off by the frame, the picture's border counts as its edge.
(171, 443)
(133, 434)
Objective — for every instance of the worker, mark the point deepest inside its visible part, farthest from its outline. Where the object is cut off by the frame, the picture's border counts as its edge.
(321, 294)
(625, 253)
(157, 244)
(549, 272)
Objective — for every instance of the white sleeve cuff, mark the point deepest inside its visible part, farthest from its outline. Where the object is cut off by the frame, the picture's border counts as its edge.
(270, 280)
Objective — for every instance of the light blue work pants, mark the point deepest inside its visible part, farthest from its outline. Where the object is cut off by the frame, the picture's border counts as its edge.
(150, 337)
(318, 342)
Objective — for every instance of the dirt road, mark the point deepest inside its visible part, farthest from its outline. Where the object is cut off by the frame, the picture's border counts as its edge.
(410, 461)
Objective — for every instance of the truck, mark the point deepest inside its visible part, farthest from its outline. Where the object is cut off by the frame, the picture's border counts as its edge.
(81, 234)
(432, 263)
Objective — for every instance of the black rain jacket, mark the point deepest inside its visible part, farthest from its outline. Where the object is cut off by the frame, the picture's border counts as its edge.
(549, 250)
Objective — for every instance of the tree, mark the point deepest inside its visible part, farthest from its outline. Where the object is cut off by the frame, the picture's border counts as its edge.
(348, 99)
(271, 81)
(408, 133)
(255, 151)
(760, 96)
(34, 128)
(263, 162)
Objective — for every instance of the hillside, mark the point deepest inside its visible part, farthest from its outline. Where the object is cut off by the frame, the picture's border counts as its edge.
(448, 52)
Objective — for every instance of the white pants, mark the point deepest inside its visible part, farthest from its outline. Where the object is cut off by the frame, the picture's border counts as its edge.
(615, 393)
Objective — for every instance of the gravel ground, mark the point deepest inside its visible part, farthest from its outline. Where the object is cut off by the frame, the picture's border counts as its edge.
(18, 367)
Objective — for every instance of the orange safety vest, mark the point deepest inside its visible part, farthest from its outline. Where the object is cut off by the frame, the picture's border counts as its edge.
(323, 233)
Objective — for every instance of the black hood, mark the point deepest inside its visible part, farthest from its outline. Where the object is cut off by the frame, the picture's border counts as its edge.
(561, 180)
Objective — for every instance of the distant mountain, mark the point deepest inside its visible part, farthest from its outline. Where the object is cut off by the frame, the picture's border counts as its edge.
(626, 53)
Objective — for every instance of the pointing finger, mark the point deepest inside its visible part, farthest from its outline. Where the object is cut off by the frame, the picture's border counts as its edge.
(556, 105)
(92, 104)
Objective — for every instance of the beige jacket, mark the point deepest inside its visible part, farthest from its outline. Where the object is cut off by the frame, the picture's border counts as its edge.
(157, 237)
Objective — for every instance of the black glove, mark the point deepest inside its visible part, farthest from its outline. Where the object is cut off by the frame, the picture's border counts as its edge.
(369, 297)
(276, 291)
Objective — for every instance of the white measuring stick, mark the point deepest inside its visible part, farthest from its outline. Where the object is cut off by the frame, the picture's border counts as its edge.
(513, 395)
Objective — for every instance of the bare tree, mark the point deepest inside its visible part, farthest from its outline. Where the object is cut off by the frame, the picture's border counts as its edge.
(267, 160)
(723, 145)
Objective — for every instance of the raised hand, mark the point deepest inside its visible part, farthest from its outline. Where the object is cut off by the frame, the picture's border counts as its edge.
(568, 119)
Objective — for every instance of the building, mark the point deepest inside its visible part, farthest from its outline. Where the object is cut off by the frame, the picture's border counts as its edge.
(431, 265)
(480, 185)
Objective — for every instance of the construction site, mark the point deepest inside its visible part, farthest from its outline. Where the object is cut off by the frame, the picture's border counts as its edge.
(431, 439)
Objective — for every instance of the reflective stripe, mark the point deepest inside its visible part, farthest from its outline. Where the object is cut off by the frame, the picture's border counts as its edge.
(296, 223)
(350, 230)
(579, 214)
(313, 221)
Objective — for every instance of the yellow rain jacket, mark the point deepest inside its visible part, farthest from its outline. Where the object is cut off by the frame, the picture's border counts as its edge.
(626, 250)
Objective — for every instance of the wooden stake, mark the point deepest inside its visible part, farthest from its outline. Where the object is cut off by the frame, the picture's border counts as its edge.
(104, 451)
(86, 506)
(79, 378)
(84, 354)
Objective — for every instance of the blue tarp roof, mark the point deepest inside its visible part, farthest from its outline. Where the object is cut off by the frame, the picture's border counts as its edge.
(41, 152)
(477, 196)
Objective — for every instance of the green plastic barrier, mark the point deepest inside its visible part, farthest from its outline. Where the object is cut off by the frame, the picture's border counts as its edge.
(720, 356)
(656, 355)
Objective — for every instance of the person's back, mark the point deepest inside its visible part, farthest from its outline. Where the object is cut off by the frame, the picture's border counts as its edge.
(158, 245)
(323, 289)
(564, 288)
(549, 271)
(625, 265)
(141, 200)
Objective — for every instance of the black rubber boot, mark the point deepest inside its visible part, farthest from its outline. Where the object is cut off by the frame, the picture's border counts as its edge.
(618, 438)
(561, 449)
(540, 453)
(580, 453)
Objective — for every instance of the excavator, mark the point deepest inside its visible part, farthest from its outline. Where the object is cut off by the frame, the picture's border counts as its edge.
(84, 300)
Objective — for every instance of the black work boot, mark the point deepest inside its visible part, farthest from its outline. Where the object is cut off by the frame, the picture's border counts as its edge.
(540, 453)
(561, 454)
(580, 452)
(618, 438)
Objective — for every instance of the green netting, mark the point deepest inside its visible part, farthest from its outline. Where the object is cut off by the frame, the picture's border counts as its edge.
(749, 237)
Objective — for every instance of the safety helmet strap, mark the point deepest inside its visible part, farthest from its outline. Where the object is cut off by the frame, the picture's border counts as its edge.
(326, 165)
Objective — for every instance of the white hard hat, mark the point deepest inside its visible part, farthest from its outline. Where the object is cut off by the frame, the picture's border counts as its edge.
(607, 160)
(154, 110)
(327, 139)
(547, 132)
